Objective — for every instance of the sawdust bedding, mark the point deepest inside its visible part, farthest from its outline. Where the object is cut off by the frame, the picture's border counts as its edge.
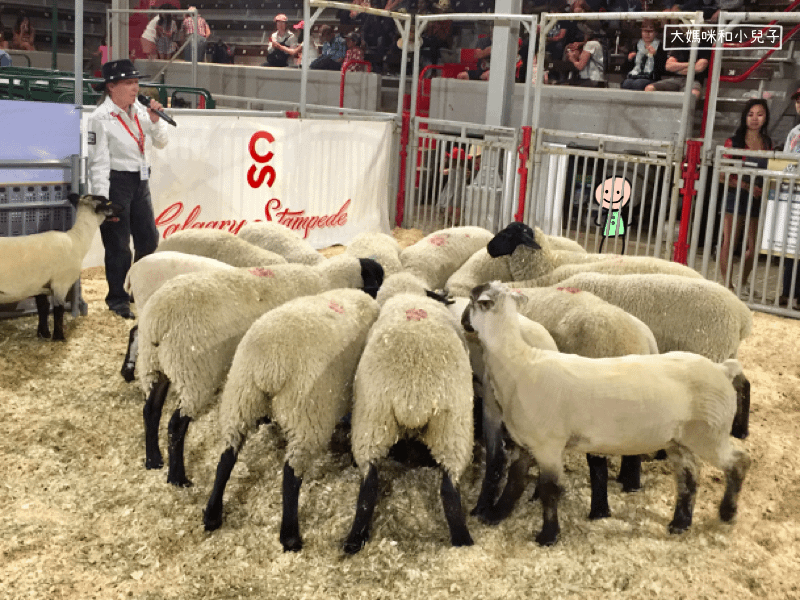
(81, 518)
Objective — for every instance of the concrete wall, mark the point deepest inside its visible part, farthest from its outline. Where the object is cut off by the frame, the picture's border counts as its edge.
(613, 111)
(362, 90)
(43, 60)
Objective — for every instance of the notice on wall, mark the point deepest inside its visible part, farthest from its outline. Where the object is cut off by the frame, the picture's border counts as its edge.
(326, 180)
(782, 216)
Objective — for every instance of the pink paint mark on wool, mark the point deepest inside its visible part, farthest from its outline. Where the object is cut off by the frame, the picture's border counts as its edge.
(438, 240)
(571, 290)
(416, 314)
(336, 307)
(262, 272)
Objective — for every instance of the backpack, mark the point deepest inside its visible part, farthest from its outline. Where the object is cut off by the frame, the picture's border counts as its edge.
(221, 52)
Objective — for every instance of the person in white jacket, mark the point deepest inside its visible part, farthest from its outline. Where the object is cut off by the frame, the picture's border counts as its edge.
(119, 169)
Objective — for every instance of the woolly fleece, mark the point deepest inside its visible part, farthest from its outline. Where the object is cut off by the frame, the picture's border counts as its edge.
(281, 240)
(221, 245)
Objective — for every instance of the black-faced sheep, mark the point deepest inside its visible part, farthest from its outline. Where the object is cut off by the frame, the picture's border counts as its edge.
(49, 263)
(629, 405)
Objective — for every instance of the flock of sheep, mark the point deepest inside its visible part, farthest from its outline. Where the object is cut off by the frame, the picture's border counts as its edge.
(400, 344)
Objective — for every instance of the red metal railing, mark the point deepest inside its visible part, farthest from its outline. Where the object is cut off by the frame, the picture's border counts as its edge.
(690, 175)
(345, 68)
(524, 152)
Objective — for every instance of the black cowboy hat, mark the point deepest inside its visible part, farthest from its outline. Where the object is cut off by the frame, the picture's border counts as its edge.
(117, 70)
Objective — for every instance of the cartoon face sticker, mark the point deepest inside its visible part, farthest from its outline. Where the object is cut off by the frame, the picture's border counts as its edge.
(613, 193)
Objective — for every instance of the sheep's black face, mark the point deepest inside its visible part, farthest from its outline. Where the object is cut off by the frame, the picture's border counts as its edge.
(104, 206)
(439, 297)
(507, 240)
(371, 275)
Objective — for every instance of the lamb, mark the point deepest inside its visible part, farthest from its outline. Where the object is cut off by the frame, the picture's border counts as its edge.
(413, 379)
(579, 323)
(478, 268)
(49, 263)
(438, 255)
(296, 366)
(628, 405)
(221, 245)
(691, 315)
(190, 327)
(281, 240)
(147, 275)
(377, 246)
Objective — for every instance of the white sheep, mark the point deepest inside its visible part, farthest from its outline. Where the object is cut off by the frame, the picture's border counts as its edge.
(413, 379)
(377, 246)
(629, 405)
(622, 265)
(281, 240)
(295, 366)
(190, 327)
(579, 323)
(147, 275)
(438, 255)
(221, 245)
(49, 263)
(691, 315)
(478, 268)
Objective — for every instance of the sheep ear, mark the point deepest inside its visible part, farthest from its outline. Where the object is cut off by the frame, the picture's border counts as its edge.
(73, 199)
(519, 298)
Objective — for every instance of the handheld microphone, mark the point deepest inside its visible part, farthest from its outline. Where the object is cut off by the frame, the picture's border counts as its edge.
(146, 101)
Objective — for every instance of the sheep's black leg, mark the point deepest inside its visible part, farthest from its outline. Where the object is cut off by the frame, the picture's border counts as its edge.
(495, 456)
(684, 506)
(456, 521)
(741, 422)
(212, 517)
(152, 417)
(58, 323)
(598, 479)
(549, 492)
(367, 499)
(176, 430)
(129, 364)
(515, 486)
(630, 473)
(734, 477)
(43, 310)
(290, 527)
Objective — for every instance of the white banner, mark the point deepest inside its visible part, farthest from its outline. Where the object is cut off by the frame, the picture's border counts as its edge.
(328, 180)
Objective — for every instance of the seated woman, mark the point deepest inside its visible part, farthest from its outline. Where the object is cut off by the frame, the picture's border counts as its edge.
(588, 59)
(24, 34)
(648, 60)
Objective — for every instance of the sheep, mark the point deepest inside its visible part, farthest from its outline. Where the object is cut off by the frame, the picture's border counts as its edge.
(295, 365)
(413, 379)
(691, 315)
(221, 245)
(49, 263)
(190, 327)
(583, 324)
(377, 246)
(632, 404)
(147, 275)
(623, 265)
(478, 268)
(281, 240)
(438, 255)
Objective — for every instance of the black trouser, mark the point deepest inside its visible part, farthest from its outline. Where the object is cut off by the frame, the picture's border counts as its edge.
(136, 220)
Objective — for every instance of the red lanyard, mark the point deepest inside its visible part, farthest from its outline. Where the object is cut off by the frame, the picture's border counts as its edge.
(140, 139)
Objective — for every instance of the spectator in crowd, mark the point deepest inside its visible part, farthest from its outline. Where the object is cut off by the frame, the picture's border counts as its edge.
(355, 52)
(750, 135)
(166, 30)
(438, 35)
(281, 44)
(677, 68)
(148, 38)
(587, 59)
(296, 53)
(24, 34)
(648, 59)
(333, 50)
(791, 268)
(709, 8)
(378, 33)
(483, 54)
(197, 41)
(4, 37)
